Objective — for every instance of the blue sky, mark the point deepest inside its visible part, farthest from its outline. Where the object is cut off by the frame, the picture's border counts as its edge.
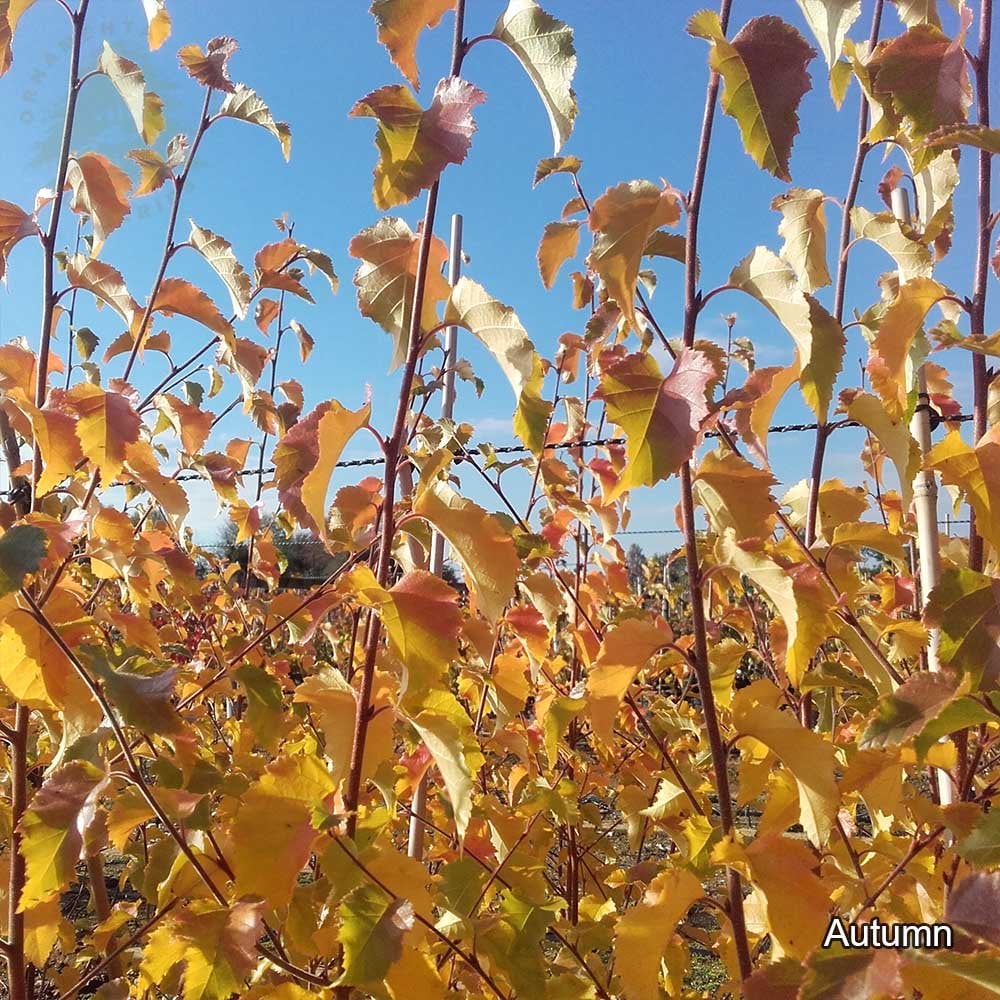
(640, 85)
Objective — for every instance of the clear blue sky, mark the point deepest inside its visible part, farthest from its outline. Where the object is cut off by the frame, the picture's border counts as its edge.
(640, 85)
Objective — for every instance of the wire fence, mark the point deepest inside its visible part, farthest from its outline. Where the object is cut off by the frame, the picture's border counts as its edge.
(515, 449)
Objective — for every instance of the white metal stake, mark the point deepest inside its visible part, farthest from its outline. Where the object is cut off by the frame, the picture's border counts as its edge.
(415, 847)
(925, 496)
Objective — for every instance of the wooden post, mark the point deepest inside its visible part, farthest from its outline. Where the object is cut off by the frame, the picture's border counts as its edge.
(415, 846)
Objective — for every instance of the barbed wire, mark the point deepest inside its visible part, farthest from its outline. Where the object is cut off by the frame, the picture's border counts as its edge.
(515, 449)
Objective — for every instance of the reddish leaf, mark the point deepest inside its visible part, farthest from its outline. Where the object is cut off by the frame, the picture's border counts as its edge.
(416, 145)
(15, 225)
(210, 67)
(400, 23)
(100, 190)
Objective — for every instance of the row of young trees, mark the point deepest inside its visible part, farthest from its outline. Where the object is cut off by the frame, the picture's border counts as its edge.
(527, 785)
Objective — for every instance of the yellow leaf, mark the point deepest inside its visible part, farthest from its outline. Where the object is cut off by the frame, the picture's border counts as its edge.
(976, 471)
(805, 753)
(644, 932)
(422, 618)
(559, 243)
(107, 425)
(803, 228)
(53, 827)
(818, 336)
(796, 903)
(623, 219)
(626, 649)
(387, 278)
(889, 365)
(143, 105)
(400, 23)
(482, 545)
(273, 834)
(500, 331)
(661, 417)
(736, 494)
(217, 946)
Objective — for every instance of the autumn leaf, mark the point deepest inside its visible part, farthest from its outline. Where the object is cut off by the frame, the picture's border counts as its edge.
(977, 136)
(889, 364)
(273, 832)
(10, 13)
(177, 296)
(976, 472)
(736, 494)
(219, 255)
(796, 596)
(142, 699)
(422, 619)
(387, 277)
(818, 336)
(764, 71)
(372, 928)
(191, 424)
(893, 435)
(210, 67)
(903, 714)
(623, 219)
(154, 171)
(830, 20)
(399, 24)
(808, 756)
(106, 425)
(104, 283)
(22, 549)
(15, 225)
(100, 191)
(556, 165)
(245, 105)
(307, 455)
(558, 244)
(643, 932)
(36, 672)
(416, 145)
(924, 74)
(660, 417)
(796, 902)
(52, 829)
(626, 648)
(158, 21)
(143, 105)
(803, 228)
(912, 257)
(482, 545)
(965, 606)
(498, 328)
(446, 729)
(544, 47)
(216, 946)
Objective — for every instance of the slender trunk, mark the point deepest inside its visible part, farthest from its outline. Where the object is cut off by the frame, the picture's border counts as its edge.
(51, 234)
(840, 290)
(720, 758)
(393, 449)
(980, 382)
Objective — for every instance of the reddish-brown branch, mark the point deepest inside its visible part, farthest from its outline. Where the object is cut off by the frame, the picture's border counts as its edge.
(980, 384)
(393, 450)
(692, 300)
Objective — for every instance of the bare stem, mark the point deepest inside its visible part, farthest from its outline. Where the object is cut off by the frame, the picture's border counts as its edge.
(980, 384)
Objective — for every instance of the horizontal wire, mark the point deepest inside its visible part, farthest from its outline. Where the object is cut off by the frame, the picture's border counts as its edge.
(514, 449)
